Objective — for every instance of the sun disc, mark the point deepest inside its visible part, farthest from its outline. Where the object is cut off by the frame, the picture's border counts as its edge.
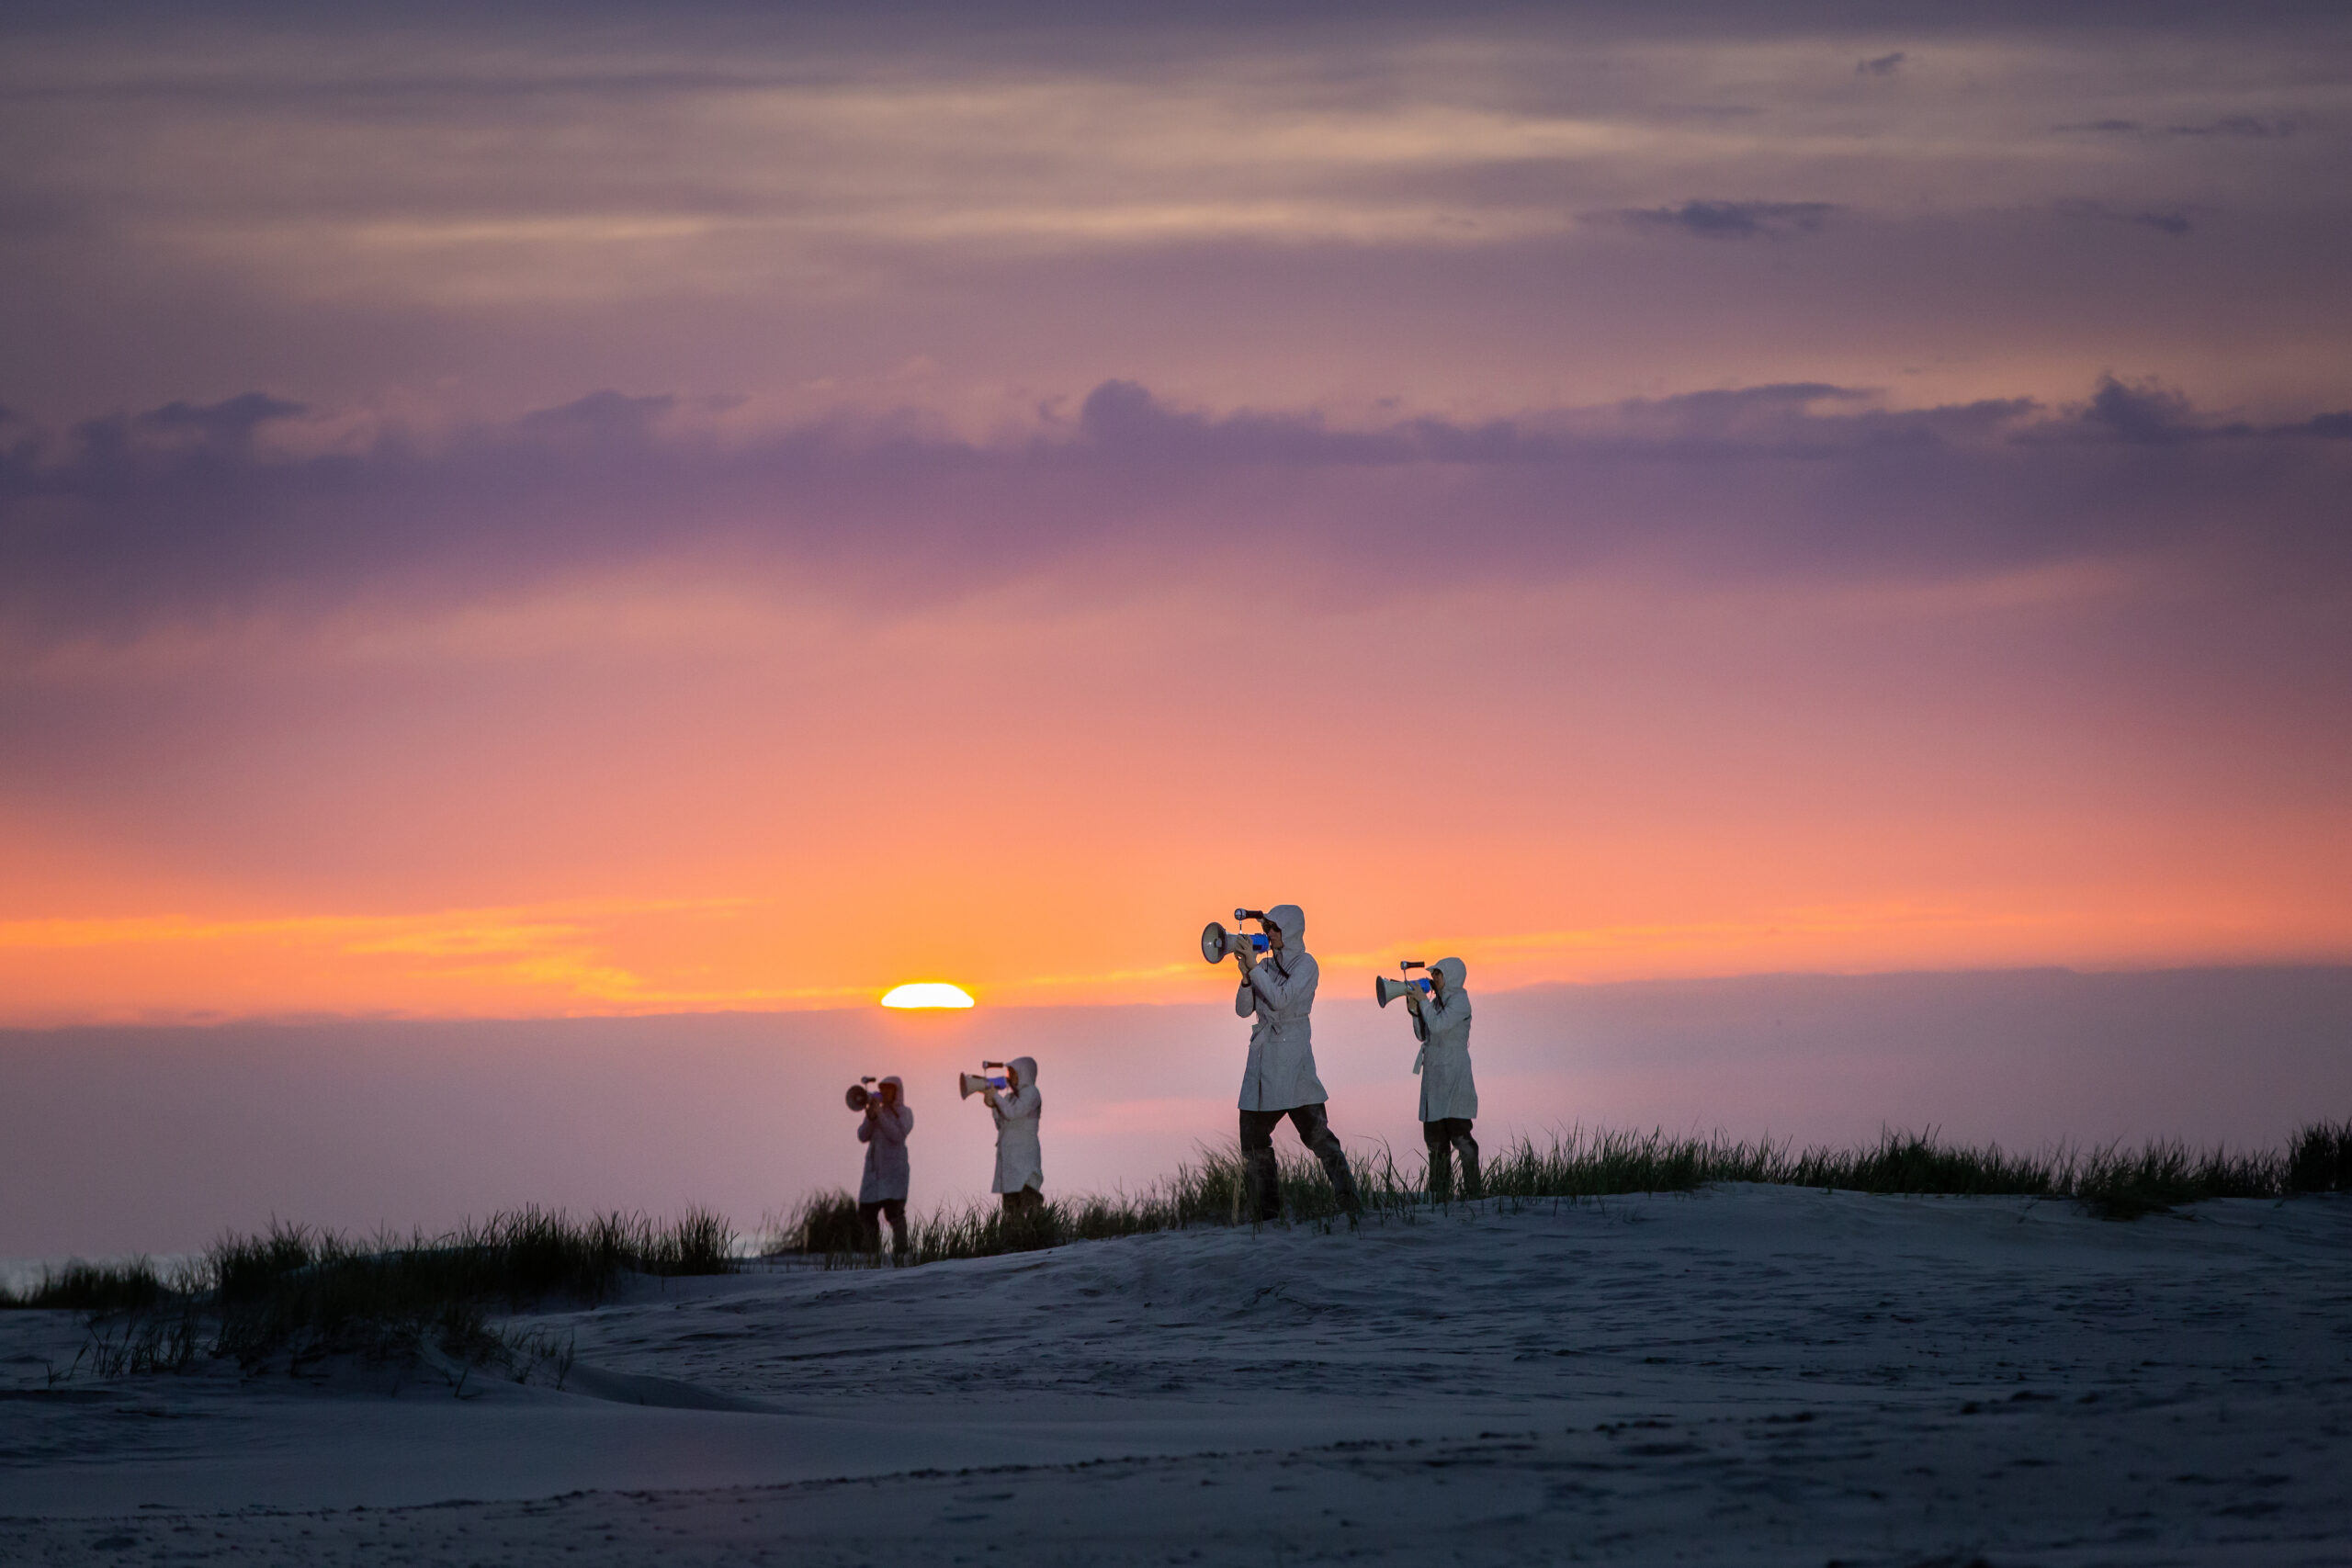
(927, 994)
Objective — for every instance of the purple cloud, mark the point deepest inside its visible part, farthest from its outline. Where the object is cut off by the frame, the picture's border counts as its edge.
(2170, 220)
(1735, 219)
(2147, 414)
(2238, 124)
(177, 513)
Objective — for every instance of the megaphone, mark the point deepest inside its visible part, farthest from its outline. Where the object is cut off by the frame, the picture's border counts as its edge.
(1217, 943)
(1385, 990)
(859, 1097)
(970, 1084)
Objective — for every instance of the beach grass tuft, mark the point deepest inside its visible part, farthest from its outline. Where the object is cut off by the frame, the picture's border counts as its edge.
(821, 1224)
(2122, 1184)
(2320, 1158)
(306, 1292)
(79, 1286)
(295, 1296)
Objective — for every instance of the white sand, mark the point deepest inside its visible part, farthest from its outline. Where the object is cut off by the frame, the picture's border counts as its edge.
(1750, 1375)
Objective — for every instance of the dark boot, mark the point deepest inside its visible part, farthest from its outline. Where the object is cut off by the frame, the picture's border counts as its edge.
(1315, 1131)
(1262, 1182)
(1474, 1185)
(1343, 1181)
(1441, 1162)
(1262, 1186)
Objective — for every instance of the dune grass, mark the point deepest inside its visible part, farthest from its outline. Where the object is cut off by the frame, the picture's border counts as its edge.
(1206, 1192)
(309, 1293)
(2320, 1160)
(80, 1286)
(2115, 1182)
(512, 1259)
(291, 1297)
(294, 1296)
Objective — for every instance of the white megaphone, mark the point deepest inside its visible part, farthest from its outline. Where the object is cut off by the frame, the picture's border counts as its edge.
(970, 1084)
(1217, 943)
(1385, 990)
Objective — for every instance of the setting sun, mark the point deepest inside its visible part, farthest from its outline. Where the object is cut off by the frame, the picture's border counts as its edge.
(927, 994)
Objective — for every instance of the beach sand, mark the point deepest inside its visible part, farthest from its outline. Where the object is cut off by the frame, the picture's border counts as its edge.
(1743, 1375)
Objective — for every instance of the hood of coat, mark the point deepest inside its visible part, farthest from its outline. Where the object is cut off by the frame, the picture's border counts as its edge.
(1290, 921)
(902, 1087)
(1452, 969)
(1027, 1068)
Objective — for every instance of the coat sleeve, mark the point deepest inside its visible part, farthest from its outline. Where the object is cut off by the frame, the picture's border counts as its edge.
(1245, 999)
(865, 1125)
(1278, 990)
(1448, 1013)
(1021, 1105)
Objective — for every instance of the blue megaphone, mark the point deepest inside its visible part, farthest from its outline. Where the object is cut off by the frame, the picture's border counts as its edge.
(1217, 942)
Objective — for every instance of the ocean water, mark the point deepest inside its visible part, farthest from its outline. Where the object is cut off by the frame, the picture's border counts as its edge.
(117, 1140)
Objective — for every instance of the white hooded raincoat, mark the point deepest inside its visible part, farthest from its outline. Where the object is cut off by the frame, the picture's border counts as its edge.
(1019, 1163)
(1443, 1025)
(885, 1137)
(1281, 1072)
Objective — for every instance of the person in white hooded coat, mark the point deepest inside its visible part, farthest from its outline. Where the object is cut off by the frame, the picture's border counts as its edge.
(1020, 1164)
(1279, 1079)
(1449, 1096)
(882, 1193)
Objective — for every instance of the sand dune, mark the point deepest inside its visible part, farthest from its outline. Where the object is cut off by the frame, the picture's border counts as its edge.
(1747, 1375)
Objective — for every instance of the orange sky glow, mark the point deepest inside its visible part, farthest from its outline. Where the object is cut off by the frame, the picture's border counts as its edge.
(733, 522)
(784, 814)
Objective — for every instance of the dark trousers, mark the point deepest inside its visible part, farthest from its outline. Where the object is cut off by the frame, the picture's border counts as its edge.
(1021, 1203)
(1443, 1136)
(1263, 1194)
(869, 1223)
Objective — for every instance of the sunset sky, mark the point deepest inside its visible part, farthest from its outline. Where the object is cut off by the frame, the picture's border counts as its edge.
(514, 511)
